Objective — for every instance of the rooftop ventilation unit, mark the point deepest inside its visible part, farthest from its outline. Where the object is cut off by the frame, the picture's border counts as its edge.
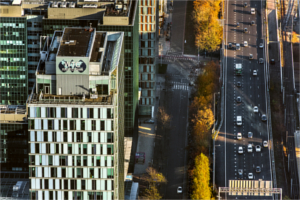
(119, 6)
(55, 4)
(43, 55)
(72, 5)
(63, 5)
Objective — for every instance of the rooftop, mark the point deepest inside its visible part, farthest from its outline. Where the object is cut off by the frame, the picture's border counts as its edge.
(92, 99)
(75, 42)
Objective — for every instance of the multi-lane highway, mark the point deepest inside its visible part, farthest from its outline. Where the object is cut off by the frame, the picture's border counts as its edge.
(252, 91)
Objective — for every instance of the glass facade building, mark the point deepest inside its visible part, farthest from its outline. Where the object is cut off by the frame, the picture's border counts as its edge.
(76, 121)
(148, 53)
(131, 45)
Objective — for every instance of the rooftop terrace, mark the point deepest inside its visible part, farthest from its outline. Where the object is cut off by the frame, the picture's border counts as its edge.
(75, 42)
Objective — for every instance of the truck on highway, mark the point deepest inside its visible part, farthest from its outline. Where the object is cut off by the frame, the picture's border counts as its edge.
(238, 69)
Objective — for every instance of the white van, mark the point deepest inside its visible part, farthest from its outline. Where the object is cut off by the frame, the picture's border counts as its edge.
(239, 120)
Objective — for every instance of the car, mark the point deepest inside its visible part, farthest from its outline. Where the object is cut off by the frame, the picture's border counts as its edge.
(238, 99)
(272, 61)
(192, 83)
(252, 11)
(250, 135)
(257, 148)
(179, 190)
(240, 172)
(238, 84)
(254, 72)
(245, 44)
(245, 4)
(261, 61)
(240, 151)
(237, 46)
(250, 175)
(229, 45)
(263, 118)
(237, 24)
(245, 30)
(257, 169)
(149, 121)
(265, 143)
(261, 45)
(250, 56)
(239, 136)
(252, 23)
(249, 148)
(255, 109)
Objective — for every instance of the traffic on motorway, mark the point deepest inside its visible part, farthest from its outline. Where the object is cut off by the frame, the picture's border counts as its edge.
(247, 146)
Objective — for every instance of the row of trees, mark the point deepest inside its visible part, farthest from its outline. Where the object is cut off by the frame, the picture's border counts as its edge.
(209, 32)
(154, 178)
(202, 119)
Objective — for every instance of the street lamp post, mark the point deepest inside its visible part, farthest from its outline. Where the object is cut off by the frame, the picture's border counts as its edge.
(214, 140)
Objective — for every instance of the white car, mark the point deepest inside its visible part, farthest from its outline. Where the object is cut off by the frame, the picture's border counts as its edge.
(179, 190)
(237, 46)
(255, 109)
(252, 11)
(254, 72)
(250, 135)
(265, 143)
(261, 45)
(250, 175)
(249, 148)
(240, 151)
(245, 44)
(257, 148)
(239, 136)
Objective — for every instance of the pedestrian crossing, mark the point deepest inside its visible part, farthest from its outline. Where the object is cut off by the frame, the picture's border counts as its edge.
(179, 86)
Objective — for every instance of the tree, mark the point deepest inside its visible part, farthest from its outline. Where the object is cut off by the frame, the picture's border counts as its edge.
(152, 193)
(154, 176)
(295, 37)
(209, 32)
(163, 117)
(201, 187)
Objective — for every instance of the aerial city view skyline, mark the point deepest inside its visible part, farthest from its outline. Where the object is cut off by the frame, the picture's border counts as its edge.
(149, 99)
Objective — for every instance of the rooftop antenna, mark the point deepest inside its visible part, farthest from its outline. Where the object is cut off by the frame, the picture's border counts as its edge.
(91, 29)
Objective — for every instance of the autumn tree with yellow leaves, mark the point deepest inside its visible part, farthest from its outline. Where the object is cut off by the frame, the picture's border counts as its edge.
(201, 187)
(209, 32)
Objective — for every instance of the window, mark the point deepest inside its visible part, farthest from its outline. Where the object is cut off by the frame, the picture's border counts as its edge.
(65, 135)
(102, 125)
(93, 125)
(74, 112)
(72, 124)
(110, 137)
(90, 136)
(50, 160)
(63, 112)
(82, 123)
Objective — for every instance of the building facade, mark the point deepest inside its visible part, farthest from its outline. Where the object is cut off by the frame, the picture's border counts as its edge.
(106, 16)
(148, 52)
(76, 117)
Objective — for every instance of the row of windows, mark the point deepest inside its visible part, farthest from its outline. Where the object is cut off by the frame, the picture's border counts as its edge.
(63, 112)
(146, 68)
(147, 44)
(96, 137)
(63, 148)
(146, 101)
(147, 27)
(147, 93)
(147, 19)
(12, 85)
(7, 33)
(75, 161)
(55, 124)
(12, 42)
(12, 68)
(76, 195)
(147, 10)
(72, 184)
(146, 77)
(147, 2)
(12, 59)
(147, 36)
(14, 25)
(147, 52)
(147, 85)
(12, 76)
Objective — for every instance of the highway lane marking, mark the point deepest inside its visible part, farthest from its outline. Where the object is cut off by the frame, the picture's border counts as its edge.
(261, 154)
(250, 87)
(259, 133)
(250, 95)
(258, 96)
(262, 165)
(258, 87)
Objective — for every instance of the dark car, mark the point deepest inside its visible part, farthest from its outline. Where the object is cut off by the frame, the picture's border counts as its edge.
(238, 84)
(149, 121)
(245, 4)
(252, 23)
(263, 118)
(229, 45)
(250, 56)
(258, 170)
(238, 99)
(272, 61)
(245, 30)
(237, 24)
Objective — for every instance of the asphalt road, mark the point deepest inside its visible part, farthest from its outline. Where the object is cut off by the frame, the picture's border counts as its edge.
(252, 93)
(176, 104)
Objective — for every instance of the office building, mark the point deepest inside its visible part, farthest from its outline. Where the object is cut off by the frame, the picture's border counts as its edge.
(105, 16)
(148, 53)
(76, 123)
